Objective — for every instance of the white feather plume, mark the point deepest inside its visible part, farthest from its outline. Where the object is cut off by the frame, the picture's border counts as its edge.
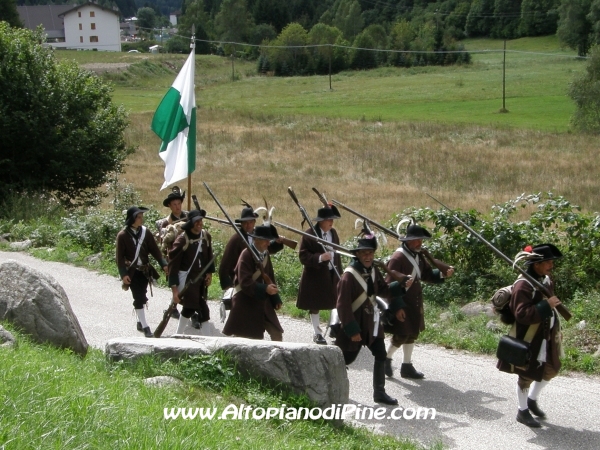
(401, 225)
(358, 222)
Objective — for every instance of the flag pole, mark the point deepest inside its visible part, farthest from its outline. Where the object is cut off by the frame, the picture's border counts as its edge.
(192, 47)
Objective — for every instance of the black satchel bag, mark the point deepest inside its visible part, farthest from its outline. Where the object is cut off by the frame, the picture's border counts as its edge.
(514, 351)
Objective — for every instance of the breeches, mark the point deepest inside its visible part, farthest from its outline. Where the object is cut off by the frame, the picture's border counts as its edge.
(203, 312)
(398, 340)
(139, 287)
(549, 373)
(377, 350)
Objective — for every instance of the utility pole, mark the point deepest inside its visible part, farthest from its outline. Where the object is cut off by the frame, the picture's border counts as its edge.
(504, 110)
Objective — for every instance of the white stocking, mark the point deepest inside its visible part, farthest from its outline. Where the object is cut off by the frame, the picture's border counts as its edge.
(391, 350)
(536, 387)
(522, 398)
(314, 318)
(183, 322)
(141, 315)
(408, 350)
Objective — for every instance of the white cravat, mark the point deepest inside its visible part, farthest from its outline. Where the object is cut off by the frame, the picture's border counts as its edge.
(328, 239)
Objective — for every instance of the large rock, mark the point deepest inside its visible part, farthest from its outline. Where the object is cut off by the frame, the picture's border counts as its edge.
(38, 305)
(317, 370)
(6, 338)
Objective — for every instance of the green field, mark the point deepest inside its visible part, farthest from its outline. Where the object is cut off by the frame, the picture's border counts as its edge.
(538, 73)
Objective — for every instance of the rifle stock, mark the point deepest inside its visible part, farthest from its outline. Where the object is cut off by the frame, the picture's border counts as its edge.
(562, 310)
(158, 331)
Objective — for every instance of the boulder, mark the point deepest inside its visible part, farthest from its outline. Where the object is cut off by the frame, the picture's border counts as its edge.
(20, 246)
(38, 305)
(6, 338)
(476, 308)
(318, 371)
(163, 381)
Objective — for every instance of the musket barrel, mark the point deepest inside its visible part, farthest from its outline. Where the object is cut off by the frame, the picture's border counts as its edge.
(560, 308)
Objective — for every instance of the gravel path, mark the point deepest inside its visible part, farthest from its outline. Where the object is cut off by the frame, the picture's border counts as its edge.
(475, 403)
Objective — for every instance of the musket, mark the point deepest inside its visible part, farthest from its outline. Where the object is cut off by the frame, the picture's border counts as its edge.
(251, 248)
(442, 266)
(167, 314)
(306, 218)
(346, 252)
(285, 241)
(544, 289)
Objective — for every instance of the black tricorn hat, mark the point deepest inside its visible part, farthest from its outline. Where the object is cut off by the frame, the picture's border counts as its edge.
(543, 252)
(327, 213)
(132, 213)
(193, 217)
(175, 194)
(367, 242)
(268, 232)
(247, 214)
(414, 232)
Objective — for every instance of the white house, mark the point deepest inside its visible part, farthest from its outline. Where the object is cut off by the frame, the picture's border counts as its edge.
(91, 26)
(88, 26)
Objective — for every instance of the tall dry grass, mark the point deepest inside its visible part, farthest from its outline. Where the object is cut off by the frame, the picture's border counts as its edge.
(377, 168)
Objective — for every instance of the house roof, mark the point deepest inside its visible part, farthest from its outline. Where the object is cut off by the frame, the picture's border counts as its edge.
(48, 16)
(76, 7)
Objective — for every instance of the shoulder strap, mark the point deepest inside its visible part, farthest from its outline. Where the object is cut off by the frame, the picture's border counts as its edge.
(416, 273)
(140, 241)
(363, 296)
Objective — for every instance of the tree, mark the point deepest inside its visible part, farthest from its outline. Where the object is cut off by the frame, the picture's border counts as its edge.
(146, 19)
(538, 17)
(585, 92)
(234, 22)
(574, 28)
(480, 19)
(295, 60)
(363, 59)
(8, 13)
(271, 12)
(322, 34)
(506, 19)
(194, 15)
(61, 133)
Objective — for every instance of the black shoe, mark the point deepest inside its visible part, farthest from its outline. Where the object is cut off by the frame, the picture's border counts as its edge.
(148, 333)
(175, 314)
(382, 397)
(388, 367)
(407, 370)
(526, 418)
(535, 409)
(139, 327)
(195, 321)
(319, 339)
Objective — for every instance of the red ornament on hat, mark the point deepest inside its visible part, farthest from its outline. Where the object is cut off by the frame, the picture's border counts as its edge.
(528, 249)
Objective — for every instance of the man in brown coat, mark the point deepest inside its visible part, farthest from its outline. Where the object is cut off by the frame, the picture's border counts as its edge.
(408, 260)
(191, 252)
(318, 283)
(256, 299)
(235, 246)
(174, 202)
(134, 244)
(536, 317)
(361, 282)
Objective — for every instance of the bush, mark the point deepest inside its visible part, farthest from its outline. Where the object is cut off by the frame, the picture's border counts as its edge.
(479, 272)
(61, 133)
(585, 92)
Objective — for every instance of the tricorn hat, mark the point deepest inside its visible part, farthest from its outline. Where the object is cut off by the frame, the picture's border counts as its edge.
(413, 231)
(132, 213)
(175, 194)
(248, 213)
(367, 242)
(268, 232)
(193, 217)
(540, 252)
(326, 213)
